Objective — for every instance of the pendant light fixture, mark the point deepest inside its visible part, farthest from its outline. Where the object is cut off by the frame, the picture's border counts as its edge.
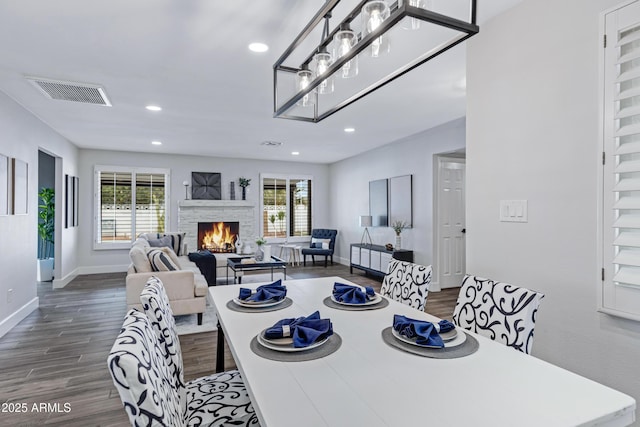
(323, 60)
(365, 30)
(373, 15)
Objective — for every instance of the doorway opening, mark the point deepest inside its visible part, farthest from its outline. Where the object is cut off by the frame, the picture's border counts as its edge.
(46, 216)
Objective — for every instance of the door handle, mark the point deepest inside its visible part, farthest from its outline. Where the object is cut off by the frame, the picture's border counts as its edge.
(464, 230)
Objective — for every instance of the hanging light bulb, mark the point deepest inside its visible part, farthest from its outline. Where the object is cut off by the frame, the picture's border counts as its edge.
(303, 78)
(343, 41)
(323, 61)
(413, 23)
(373, 15)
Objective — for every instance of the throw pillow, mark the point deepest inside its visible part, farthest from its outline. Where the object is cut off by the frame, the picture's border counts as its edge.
(139, 259)
(160, 261)
(158, 243)
(171, 254)
(320, 243)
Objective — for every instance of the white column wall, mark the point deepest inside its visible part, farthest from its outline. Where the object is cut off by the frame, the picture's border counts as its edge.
(532, 133)
(21, 136)
(410, 156)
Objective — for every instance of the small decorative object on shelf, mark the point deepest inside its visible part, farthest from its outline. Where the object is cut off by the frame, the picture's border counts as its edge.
(244, 183)
(389, 246)
(239, 245)
(398, 226)
(186, 189)
(232, 190)
(259, 252)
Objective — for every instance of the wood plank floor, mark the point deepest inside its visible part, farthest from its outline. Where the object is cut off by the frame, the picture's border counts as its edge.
(58, 354)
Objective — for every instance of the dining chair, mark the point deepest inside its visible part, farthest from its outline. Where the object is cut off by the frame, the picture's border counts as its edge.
(225, 390)
(146, 384)
(499, 311)
(407, 283)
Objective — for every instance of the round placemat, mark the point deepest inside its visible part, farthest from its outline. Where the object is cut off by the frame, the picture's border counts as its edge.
(235, 307)
(469, 346)
(331, 346)
(332, 304)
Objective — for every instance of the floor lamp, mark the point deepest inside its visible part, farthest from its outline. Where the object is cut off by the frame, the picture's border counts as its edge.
(365, 221)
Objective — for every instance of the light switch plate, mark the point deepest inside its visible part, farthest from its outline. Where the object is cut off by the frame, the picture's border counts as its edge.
(514, 211)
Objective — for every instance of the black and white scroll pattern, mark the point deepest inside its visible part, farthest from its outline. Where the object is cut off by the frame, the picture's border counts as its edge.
(141, 375)
(500, 311)
(155, 303)
(220, 399)
(216, 400)
(407, 283)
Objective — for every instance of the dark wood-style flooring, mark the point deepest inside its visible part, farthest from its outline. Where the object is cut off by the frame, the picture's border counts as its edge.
(54, 361)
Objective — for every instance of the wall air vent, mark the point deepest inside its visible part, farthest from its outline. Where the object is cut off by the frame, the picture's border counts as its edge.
(71, 91)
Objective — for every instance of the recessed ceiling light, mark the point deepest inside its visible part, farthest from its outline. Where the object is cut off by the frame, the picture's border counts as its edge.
(295, 153)
(156, 142)
(349, 130)
(258, 47)
(271, 143)
(153, 108)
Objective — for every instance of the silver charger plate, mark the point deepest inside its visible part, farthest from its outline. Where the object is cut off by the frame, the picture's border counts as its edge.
(286, 344)
(329, 302)
(377, 299)
(287, 302)
(469, 346)
(257, 304)
(331, 346)
(452, 340)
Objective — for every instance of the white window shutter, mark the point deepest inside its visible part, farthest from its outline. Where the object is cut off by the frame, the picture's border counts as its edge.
(621, 172)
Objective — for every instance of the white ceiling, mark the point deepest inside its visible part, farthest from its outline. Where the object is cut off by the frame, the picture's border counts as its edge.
(191, 58)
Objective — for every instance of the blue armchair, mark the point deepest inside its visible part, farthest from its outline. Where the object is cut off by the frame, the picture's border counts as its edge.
(323, 242)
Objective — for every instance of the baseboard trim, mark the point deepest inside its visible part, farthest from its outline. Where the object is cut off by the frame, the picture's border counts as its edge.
(97, 269)
(64, 281)
(10, 322)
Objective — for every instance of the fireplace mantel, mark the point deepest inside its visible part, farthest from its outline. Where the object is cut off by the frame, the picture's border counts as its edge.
(215, 203)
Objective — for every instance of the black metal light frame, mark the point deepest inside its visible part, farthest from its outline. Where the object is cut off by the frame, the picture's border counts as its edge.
(467, 29)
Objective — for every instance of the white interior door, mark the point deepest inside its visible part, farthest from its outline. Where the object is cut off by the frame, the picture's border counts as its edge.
(450, 249)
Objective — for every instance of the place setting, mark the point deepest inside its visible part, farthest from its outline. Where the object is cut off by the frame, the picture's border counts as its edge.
(354, 298)
(297, 339)
(270, 297)
(441, 340)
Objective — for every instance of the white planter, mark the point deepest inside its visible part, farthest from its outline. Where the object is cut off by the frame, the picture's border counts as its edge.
(45, 270)
(267, 253)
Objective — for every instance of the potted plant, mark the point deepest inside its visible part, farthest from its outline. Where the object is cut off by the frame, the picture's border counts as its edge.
(244, 183)
(46, 228)
(398, 226)
(281, 216)
(260, 255)
(272, 220)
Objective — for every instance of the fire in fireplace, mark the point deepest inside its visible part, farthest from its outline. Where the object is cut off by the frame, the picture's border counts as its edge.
(218, 236)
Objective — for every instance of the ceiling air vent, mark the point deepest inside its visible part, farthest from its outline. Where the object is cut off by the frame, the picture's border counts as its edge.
(71, 91)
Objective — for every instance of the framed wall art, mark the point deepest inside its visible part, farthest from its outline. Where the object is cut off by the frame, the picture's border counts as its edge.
(206, 186)
(4, 185)
(20, 186)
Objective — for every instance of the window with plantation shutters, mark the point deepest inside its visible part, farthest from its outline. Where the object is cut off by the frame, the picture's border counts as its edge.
(129, 201)
(620, 293)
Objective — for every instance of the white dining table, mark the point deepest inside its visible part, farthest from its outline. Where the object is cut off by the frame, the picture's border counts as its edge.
(368, 383)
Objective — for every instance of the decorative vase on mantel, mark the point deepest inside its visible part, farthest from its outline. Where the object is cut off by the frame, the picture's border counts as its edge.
(244, 193)
(398, 242)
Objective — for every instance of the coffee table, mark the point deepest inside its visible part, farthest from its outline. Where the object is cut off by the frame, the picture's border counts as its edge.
(236, 265)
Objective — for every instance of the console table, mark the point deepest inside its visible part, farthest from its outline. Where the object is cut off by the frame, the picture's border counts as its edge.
(375, 259)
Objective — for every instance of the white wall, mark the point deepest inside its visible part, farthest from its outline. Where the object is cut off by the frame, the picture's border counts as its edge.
(94, 261)
(532, 133)
(21, 135)
(410, 156)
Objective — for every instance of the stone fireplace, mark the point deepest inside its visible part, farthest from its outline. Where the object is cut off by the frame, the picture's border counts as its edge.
(220, 236)
(192, 213)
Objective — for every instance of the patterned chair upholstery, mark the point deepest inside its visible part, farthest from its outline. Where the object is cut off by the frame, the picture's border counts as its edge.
(324, 234)
(500, 311)
(211, 400)
(407, 283)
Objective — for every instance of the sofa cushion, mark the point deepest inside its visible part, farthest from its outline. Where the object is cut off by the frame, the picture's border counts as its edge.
(139, 259)
(160, 261)
(177, 240)
(158, 243)
(171, 254)
(320, 243)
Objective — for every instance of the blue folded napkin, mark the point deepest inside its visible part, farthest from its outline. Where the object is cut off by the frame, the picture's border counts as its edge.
(425, 333)
(352, 294)
(304, 330)
(273, 291)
